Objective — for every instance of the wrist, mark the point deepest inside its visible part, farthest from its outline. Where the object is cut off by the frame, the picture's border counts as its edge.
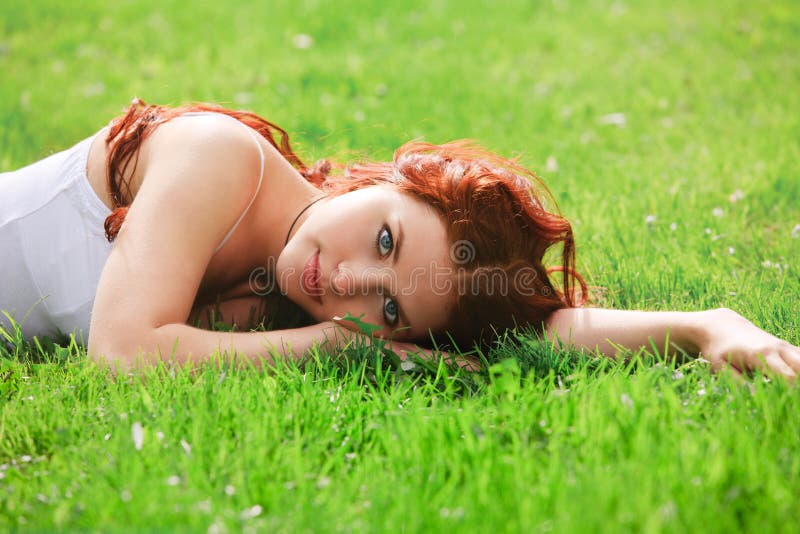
(338, 335)
(701, 329)
(689, 331)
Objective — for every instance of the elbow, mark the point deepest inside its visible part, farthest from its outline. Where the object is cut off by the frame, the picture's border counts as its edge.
(115, 356)
(121, 351)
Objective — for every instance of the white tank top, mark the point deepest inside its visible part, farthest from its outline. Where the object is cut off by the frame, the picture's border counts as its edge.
(52, 242)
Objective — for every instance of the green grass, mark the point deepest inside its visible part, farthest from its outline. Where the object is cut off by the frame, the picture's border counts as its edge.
(557, 442)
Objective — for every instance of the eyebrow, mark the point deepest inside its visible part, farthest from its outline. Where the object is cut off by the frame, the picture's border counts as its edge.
(395, 258)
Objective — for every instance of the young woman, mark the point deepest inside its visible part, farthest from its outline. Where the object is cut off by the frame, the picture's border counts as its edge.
(171, 220)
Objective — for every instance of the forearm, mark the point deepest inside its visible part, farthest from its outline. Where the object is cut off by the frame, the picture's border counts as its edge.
(181, 343)
(605, 329)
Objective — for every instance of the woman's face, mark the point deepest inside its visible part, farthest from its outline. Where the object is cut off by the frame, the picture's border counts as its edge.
(376, 252)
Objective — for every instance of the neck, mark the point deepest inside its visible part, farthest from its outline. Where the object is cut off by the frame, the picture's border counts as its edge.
(303, 213)
(279, 213)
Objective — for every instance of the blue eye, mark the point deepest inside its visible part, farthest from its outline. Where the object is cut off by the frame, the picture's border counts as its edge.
(390, 311)
(385, 241)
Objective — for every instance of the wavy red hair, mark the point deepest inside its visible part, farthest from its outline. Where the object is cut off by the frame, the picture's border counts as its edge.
(495, 210)
(500, 211)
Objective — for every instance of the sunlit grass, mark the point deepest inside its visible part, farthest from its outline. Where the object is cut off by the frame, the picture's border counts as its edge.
(667, 132)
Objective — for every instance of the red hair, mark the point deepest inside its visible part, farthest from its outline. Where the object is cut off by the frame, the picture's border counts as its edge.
(495, 210)
(499, 228)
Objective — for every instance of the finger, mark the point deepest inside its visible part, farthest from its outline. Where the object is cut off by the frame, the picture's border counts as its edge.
(734, 373)
(791, 355)
(345, 324)
(775, 363)
(722, 362)
(469, 363)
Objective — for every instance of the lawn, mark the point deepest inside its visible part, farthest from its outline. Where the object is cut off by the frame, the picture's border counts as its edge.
(668, 132)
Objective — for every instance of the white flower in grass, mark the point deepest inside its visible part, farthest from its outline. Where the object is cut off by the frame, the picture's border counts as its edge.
(673, 226)
(650, 219)
(250, 513)
(551, 165)
(137, 433)
(613, 119)
(408, 366)
(323, 482)
(731, 250)
(446, 513)
(303, 41)
(186, 447)
(174, 480)
(796, 231)
(230, 490)
(736, 196)
(203, 506)
(669, 510)
(626, 400)
(717, 212)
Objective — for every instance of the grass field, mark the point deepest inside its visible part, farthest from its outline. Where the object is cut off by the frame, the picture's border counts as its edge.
(669, 132)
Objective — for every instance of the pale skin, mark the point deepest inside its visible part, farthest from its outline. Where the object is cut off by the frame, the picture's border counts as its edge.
(196, 175)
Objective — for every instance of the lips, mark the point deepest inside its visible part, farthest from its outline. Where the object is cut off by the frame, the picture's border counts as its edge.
(310, 279)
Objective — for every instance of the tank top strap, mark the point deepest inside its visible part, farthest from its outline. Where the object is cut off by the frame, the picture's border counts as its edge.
(260, 173)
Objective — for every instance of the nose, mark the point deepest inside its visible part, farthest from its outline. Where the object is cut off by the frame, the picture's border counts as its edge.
(342, 281)
(352, 279)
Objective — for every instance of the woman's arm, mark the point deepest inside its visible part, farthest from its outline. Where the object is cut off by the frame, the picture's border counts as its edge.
(199, 174)
(721, 336)
(181, 343)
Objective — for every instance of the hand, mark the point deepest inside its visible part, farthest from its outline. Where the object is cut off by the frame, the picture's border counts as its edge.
(404, 349)
(731, 340)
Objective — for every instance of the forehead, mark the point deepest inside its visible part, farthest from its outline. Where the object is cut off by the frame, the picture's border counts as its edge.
(424, 270)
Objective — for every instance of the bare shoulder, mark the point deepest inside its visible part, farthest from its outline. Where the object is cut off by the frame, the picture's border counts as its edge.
(204, 138)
